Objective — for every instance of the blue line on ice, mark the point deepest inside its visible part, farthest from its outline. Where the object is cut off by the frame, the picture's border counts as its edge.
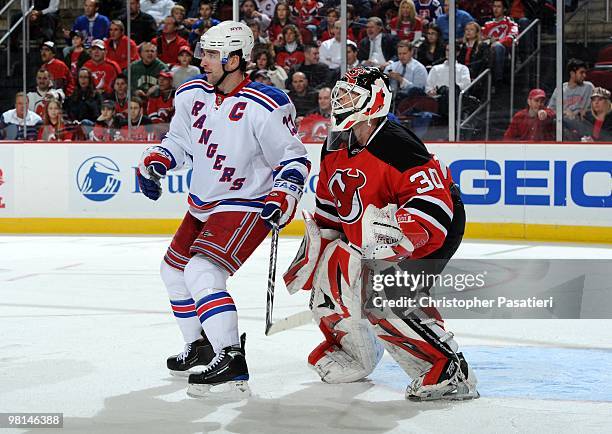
(527, 372)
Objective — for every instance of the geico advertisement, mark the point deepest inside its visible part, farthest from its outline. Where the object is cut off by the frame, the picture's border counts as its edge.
(547, 184)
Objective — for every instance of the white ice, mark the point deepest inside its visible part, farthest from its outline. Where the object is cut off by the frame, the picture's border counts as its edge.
(86, 328)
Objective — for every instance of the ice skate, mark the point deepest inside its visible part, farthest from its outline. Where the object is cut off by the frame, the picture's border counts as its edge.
(194, 358)
(226, 377)
(460, 386)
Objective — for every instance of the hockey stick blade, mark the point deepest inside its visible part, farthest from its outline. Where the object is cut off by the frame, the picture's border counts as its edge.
(290, 322)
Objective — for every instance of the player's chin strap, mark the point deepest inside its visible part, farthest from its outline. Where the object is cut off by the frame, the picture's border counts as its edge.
(226, 73)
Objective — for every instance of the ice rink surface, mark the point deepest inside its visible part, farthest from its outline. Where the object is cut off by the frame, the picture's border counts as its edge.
(86, 327)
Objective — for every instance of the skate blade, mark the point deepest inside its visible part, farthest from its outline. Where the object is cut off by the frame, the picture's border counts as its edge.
(232, 390)
(185, 374)
(447, 397)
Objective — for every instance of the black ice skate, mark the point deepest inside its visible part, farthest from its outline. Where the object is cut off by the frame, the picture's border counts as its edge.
(196, 356)
(226, 376)
(460, 385)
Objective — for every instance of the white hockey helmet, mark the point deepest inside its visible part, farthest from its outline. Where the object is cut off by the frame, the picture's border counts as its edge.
(227, 37)
(362, 94)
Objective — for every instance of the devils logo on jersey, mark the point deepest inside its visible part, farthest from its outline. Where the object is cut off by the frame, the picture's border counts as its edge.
(345, 187)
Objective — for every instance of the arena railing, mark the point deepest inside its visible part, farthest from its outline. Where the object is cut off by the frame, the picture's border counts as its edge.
(486, 104)
(535, 55)
(26, 40)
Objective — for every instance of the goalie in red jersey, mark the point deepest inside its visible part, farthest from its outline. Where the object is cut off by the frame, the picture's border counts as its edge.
(381, 198)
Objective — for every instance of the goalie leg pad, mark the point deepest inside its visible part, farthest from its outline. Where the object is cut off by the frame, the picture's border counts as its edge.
(428, 353)
(351, 350)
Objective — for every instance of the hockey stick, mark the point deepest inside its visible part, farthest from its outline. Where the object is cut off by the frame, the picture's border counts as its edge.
(290, 322)
(271, 277)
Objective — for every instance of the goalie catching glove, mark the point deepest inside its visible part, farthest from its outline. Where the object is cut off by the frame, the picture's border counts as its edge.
(154, 164)
(390, 234)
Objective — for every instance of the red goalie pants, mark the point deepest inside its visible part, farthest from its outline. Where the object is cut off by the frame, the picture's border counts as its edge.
(225, 238)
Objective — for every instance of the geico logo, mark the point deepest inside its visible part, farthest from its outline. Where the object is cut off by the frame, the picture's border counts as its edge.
(486, 182)
(173, 183)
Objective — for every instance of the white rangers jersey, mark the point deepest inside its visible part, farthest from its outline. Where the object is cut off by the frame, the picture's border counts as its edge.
(237, 143)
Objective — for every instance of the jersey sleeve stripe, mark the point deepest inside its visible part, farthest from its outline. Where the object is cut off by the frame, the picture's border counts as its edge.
(277, 95)
(261, 95)
(194, 86)
(195, 80)
(432, 210)
(435, 201)
(419, 215)
(257, 100)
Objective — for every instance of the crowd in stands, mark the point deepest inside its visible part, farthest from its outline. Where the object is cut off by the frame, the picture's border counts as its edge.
(81, 89)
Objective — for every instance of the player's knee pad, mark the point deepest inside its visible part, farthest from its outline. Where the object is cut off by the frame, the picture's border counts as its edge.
(203, 277)
(174, 281)
(418, 343)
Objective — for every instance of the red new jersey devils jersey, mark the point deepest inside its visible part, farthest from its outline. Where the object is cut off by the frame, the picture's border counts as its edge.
(394, 168)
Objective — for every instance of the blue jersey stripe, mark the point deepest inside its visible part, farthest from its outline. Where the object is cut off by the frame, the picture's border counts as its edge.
(277, 95)
(195, 86)
(258, 100)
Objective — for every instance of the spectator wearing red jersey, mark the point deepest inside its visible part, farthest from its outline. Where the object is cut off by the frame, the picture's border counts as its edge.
(291, 53)
(104, 71)
(169, 42)
(407, 26)
(60, 74)
(76, 55)
(119, 96)
(535, 123)
(500, 32)
(160, 106)
(141, 126)
(282, 17)
(307, 12)
(117, 44)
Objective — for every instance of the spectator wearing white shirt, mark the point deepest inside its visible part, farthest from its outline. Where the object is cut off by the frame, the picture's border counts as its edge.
(330, 51)
(158, 9)
(439, 76)
(408, 75)
(12, 121)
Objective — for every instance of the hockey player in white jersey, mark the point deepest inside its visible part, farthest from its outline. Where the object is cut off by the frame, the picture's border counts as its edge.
(249, 168)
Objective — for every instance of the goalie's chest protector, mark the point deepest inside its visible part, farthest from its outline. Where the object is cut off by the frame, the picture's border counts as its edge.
(387, 171)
